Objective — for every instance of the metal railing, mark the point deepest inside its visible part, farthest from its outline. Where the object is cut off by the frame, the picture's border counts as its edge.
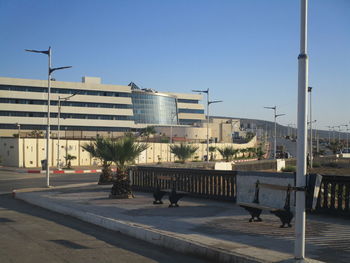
(334, 195)
(211, 184)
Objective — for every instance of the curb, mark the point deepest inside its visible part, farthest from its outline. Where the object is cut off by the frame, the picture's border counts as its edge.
(61, 171)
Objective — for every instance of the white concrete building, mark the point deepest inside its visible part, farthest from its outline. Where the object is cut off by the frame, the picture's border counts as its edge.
(95, 109)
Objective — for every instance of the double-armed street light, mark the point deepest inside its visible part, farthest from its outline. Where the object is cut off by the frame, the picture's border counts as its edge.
(19, 129)
(58, 126)
(347, 136)
(50, 71)
(311, 145)
(208, 103)
(172, 116)
(274, 108)
(339, 130)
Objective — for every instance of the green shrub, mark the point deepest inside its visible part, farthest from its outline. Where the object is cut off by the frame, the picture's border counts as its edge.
(289, 168)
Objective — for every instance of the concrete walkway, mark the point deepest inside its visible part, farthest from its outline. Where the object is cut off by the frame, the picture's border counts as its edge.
(216, 230)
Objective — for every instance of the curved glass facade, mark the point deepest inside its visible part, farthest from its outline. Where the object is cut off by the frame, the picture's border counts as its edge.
(154, 108)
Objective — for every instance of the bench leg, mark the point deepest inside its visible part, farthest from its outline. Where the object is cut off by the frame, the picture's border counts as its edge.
(174, 205)
(254, 212)
(285, 217)
(158, 195)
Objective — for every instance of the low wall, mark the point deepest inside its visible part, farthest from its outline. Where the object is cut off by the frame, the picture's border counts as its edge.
(28, 152)
(246, 181)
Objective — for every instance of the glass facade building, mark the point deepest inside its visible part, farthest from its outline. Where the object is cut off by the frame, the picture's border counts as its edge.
(154, 108)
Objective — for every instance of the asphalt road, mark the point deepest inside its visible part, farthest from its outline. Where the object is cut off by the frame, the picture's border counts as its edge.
(33, 234)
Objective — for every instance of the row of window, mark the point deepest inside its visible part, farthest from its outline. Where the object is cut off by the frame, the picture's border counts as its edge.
(187, 101)
(191, 111)
(62, 128)
(65, 115)
(66, 91)
(187, 121)
(66, 103)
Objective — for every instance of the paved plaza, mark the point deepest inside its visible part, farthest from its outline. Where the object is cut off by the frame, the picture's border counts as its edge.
(214, 229)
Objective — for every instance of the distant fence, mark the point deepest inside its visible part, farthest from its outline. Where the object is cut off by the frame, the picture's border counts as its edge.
(211, 184)
(334, 195)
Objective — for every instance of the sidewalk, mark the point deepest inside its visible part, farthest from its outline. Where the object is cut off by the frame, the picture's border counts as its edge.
(217, 230)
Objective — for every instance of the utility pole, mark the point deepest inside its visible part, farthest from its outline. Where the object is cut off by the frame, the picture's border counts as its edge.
(299, 249)
(50, 71)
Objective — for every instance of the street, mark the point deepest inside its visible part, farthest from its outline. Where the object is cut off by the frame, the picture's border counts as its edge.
(33, 234)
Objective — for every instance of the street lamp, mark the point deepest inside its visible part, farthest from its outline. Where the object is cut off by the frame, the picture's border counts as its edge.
(338, 126)
(274, 108)
(329, 134)
(311, 146)
(208, 103)
(172, 116)
(347, 137)
(58, 126)
(19, 129)
(50, 71)
(299, 249)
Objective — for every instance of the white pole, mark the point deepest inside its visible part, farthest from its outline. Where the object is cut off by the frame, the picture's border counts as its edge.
(275, 139)
(311, 147)
(208, 125)
(48, 123)
(299, 251)
(58, 133)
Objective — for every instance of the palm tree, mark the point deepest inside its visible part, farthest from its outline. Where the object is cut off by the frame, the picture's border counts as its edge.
(251, 150)
(149, 130)
(227, 152)
(124, 151)
(259, 152)
(98, 149)
(243, 151)
(212, 149)
(183, 151)
(69, 158)
(335, 146)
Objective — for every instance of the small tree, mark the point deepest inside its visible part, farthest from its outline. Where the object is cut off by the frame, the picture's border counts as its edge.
(259, 152)
(148, 131)
(243, 151)
(212, 149)
(227, 152)
(98, 149)
(124, 151)
(335, 146)
(183, 151)
(69, 158)
(251, 151)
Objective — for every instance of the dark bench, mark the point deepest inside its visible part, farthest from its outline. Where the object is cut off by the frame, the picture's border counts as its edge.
(174, 196)
(255, 208)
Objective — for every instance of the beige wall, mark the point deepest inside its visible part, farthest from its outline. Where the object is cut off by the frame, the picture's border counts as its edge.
(28, 152)
(191, 133)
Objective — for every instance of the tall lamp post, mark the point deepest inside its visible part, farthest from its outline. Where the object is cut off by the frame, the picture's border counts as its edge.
(274, 108)
(311, 154)
(329, 134)
(172, 116)
(208, 103)
(19, 129)
(50, 70)
(58, 126)
(299, 249)
(338, 126)
(347, 137)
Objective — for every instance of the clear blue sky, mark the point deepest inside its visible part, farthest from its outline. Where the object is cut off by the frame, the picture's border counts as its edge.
(245, 51)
